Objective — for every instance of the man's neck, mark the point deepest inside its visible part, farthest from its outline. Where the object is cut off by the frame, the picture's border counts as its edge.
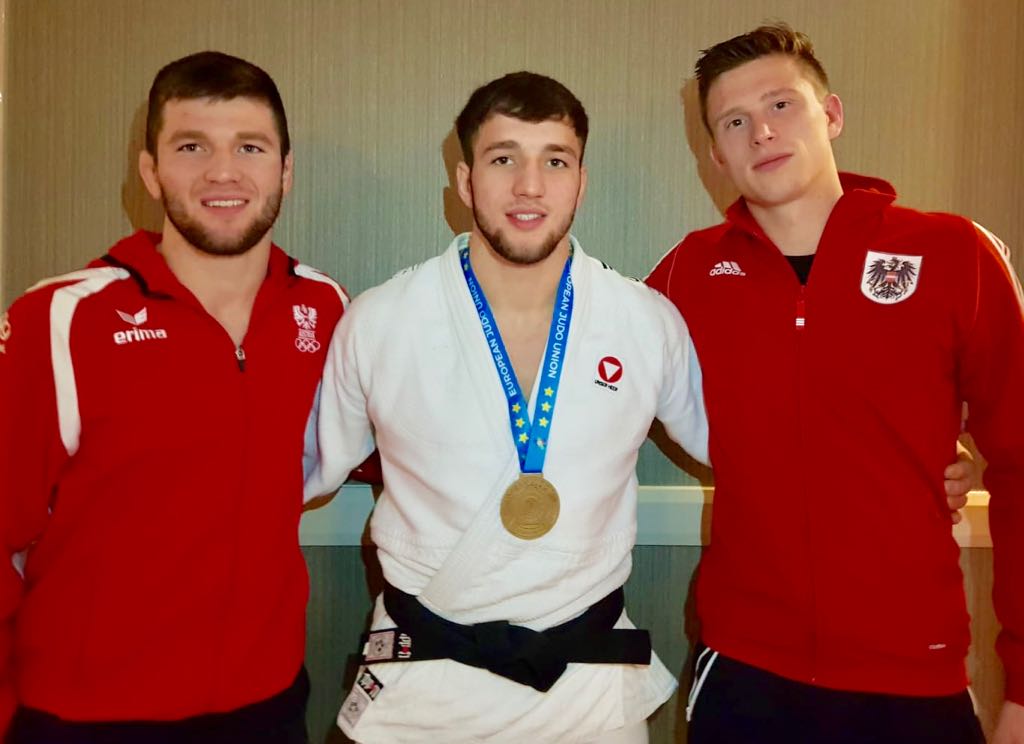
(522, 298)
(796, 227)
(226, 286)
(517, 289)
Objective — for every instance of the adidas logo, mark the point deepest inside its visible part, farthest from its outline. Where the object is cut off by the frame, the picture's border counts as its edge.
(727, 268)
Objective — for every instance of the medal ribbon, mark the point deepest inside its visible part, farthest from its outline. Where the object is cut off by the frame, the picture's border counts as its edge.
(530, 435)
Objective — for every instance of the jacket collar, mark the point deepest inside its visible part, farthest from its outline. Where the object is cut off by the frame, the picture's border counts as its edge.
(139, 255)
(862, 196)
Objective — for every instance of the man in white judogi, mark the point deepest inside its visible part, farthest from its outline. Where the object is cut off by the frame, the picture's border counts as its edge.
(509, 384)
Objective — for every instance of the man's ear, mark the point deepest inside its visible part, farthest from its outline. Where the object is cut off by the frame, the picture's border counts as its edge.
(288, 173)
(833, 114)
(716, 156)
(147, 169)
(583, 186)
(462, 173)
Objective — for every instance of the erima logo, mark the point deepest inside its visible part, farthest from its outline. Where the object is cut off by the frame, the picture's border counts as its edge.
(136, 320)
(136, 334)
(727, 268)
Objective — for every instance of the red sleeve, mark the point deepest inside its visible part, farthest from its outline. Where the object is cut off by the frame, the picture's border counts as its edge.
(991, 376)
(661, 275)
(370, 471)
(31, 453)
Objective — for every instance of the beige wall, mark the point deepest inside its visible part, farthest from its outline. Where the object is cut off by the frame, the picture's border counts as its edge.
(933, 93)
(372, 87)
(931, 87)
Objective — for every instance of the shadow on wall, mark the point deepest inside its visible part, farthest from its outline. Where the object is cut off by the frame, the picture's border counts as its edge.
(458, 216)
(719, 188)
(143, 212)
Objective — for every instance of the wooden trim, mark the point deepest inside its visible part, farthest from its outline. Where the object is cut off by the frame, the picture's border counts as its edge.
(667, 515)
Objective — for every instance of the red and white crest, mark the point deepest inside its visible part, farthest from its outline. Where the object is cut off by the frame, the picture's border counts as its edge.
(889, 277)
(305, 318)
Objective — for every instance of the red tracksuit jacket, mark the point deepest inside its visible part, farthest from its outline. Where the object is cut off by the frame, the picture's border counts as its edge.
(834, 409)
(155, 480)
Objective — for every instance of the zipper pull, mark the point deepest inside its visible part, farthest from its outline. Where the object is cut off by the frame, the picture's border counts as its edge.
(240, 356)
(801, 309)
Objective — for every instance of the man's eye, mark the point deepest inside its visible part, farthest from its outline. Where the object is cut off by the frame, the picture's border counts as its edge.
(252, 149)
(188, 147)
(558, 163)
(733, 123)
(502, 160)
(779, 105)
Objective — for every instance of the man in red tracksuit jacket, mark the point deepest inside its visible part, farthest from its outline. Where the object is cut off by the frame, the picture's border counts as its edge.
(841, 617)
(154, 410)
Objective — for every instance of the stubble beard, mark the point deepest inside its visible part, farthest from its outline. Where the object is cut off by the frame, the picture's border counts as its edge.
(201, 240)
(500, 244)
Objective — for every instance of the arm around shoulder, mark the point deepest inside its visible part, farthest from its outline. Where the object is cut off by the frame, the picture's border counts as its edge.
(342, 435)
(681, 402)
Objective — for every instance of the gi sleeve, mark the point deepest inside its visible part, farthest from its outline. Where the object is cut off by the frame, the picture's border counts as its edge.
(31, 455)
(991, 378)
(681, 402)
(343, 433)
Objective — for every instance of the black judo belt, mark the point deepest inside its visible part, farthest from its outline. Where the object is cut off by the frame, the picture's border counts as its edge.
(529, 657)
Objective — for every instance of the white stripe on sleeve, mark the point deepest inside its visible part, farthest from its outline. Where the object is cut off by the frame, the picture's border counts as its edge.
(62, 310)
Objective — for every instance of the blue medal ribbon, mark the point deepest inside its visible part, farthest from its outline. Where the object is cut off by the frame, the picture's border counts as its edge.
(530, 433)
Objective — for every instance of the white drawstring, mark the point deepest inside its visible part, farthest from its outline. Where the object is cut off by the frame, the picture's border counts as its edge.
(702, 674)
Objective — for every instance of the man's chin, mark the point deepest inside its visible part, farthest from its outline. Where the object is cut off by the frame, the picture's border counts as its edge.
(234, 244)
(225, 248)
(528, 254)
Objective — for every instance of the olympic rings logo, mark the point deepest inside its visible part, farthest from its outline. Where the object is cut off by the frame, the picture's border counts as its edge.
(308, 345)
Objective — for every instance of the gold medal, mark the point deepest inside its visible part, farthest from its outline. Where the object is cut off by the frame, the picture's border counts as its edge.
(529, 508)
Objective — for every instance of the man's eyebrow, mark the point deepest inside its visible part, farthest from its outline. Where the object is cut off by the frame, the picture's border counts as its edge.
(736, 109)
(181, 134)
(513, 145)
(777, 91)
(198, 134)
(567, 149)
(258, 136)
(502, 145)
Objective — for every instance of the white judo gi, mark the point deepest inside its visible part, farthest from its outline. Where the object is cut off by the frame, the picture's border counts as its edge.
(409, 366)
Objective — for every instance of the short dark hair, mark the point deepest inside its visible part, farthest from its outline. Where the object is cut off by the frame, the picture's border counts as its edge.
(212, 75)
(774, 38)
(526, 96)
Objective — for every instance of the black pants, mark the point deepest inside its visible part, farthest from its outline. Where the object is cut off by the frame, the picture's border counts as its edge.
(280, 719)
(740, 704)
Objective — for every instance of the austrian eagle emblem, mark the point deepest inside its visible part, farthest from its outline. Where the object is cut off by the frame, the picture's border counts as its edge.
(890, 278)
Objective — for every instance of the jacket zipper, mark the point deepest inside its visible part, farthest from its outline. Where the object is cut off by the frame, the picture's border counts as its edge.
(240, 356)
(801, 307)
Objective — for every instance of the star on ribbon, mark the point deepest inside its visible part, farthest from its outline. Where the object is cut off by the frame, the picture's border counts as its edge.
(548, 392)
(542, 421)
(516, 408)
(519, 423)
(540, 443)
(545, 406)
(523, 437)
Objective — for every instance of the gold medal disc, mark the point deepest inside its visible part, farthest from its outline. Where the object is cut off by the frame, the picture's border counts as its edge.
(529, 508)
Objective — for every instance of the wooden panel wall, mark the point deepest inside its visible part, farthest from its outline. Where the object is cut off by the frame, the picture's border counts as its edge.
(932, 90)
